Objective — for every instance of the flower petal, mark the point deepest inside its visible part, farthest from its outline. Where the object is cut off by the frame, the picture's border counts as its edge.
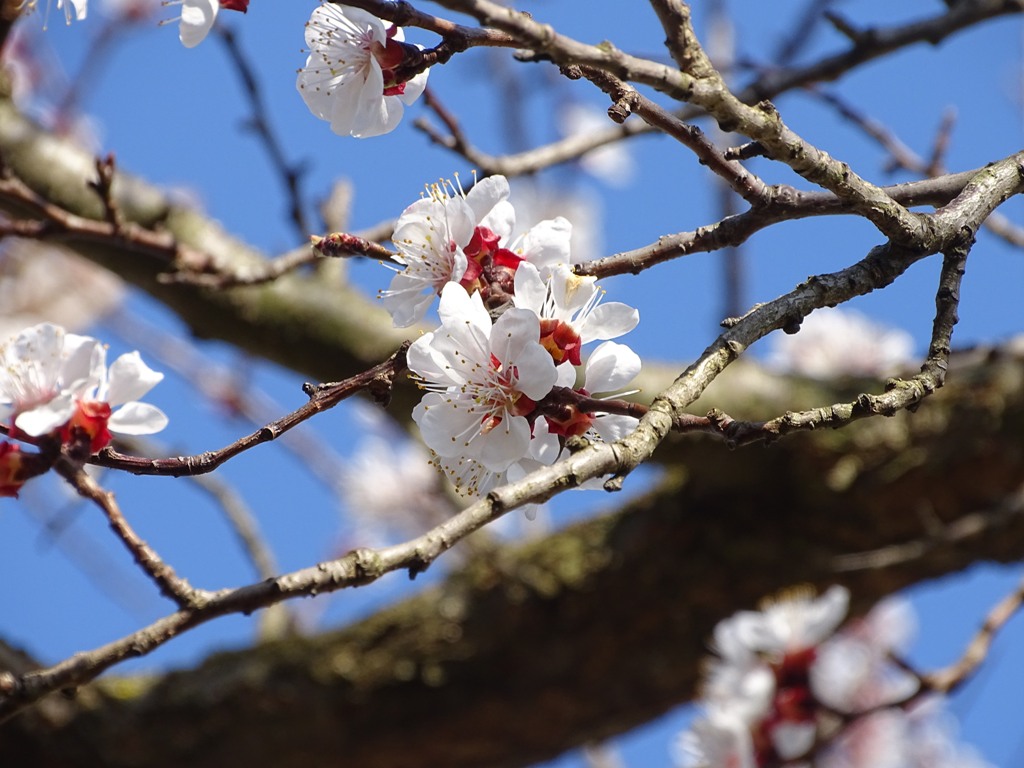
(130, 379)
(137, 419)
(197, 17)
(611, 367)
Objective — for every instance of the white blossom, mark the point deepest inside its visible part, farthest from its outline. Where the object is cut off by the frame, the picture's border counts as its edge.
(198, 17)
(569, 307)
(42, 368)
(41, 282)
(349, 76)
(50, 378)
(483, 380)
(430, 236)
(783, 674)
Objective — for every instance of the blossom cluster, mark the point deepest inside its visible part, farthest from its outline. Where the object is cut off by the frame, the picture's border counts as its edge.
(788, 687)
(57, 389)
(514, 322)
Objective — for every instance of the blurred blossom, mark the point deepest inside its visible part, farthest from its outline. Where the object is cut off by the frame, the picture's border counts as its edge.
(611, 163)
(391, 490)
(537, 202)
(787, 686)
(43, 282)
(840, 342)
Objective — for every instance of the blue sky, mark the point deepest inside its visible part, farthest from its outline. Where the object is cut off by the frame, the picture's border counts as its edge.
(177, 117)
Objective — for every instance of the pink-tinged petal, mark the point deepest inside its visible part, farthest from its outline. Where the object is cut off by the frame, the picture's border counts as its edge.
(609, 321)
(137, 419)
(611, 367)
(547, 244)
(47, 417)
(130, 379)
(197, 18)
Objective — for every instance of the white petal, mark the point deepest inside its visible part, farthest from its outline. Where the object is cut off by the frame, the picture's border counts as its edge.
(426, 361)
(566, 375)
(376, 114)
(130, 379)
(611, 367)
(530, 289)
(137, 419)
(466, 321)
(485, 195)
(544, 447)
(406, 300)
(505, 444)
(197, 17)
(609, 321)
(446, 425)
(80, 359)
(547, 244)
(515, 342)
(346, 99)
(46, 417)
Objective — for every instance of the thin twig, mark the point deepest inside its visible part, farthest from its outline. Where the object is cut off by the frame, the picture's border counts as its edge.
(170, 584)
(376, 380)
(955, 675)
(627, 100)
